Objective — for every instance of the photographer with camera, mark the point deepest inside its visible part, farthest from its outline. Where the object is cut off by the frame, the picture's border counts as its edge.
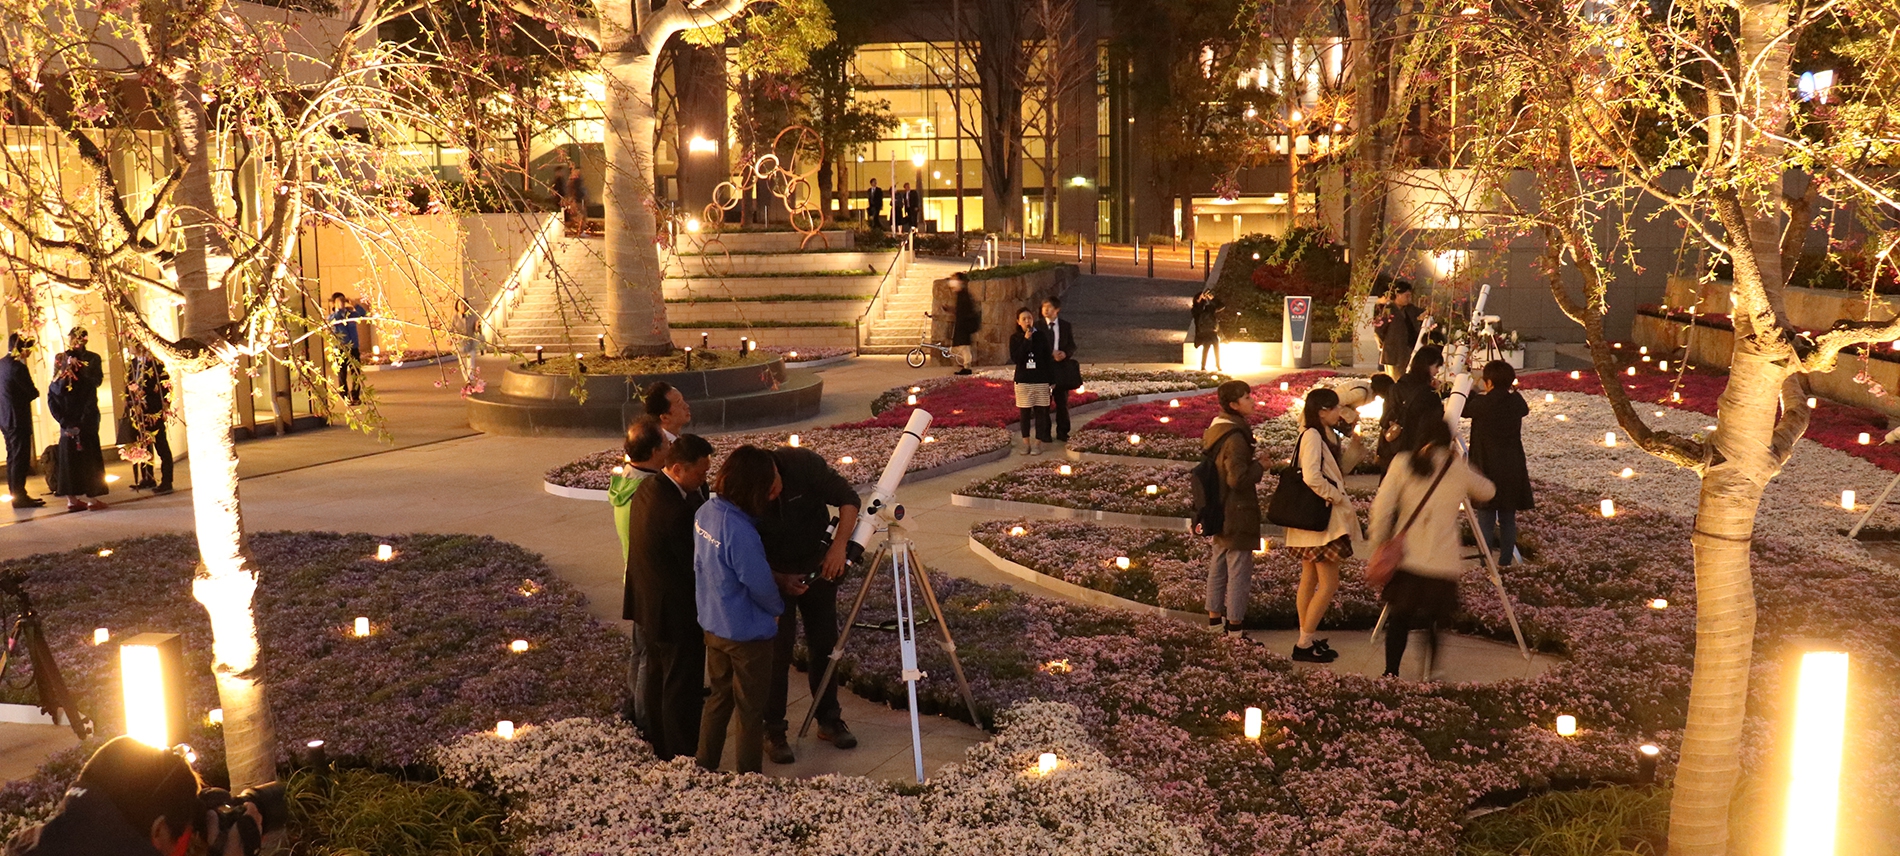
(808, 556)
(136, 800)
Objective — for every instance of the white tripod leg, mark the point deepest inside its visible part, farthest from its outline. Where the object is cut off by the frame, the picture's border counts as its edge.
(907, 644)
(1851, 533)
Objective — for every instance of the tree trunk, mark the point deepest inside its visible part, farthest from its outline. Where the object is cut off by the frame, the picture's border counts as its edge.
(226, 580)
(824, 193)
(635, 307)
(1365, 180)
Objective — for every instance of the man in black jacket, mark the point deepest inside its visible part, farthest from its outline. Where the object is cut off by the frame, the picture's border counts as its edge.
(807, 563)
(1068, 372)
(874, 206)
(17, 393)
(660, 601)
(1398, 326)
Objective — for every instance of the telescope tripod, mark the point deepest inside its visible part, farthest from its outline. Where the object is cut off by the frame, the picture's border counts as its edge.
(907, 575)
(27, 637)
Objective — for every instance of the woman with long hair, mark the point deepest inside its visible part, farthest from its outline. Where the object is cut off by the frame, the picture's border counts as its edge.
(1229, 439)
(1035, 371)
(1497, 451)
(1206, 316)
(1425, 485)
(1323, 465)
(739, 605)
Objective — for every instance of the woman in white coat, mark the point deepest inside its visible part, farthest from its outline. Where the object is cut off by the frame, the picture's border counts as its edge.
(1323, 466)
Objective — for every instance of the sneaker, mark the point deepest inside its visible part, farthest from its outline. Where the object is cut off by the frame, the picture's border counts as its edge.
(1312, 654)
(837, 734)
(1320, 645)
(777, 749)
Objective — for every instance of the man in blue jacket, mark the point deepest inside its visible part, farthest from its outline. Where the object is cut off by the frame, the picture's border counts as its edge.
(739, 605)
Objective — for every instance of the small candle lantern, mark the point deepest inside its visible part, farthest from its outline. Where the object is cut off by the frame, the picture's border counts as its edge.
(1549, 397)
(519, 646)
(911, 400)
(1134, 439)
(1663, 365)
(1609, 439)
(215, 716)
(362, 627)
(1284, 386)
(1847, 500)
(1066, 470)
(1174, 402)
(1251, 726)
(1608, 507)
(384, 552)
(847, 459)
(1626, 473)
(1017, 531)
(1866, 438)
(1576, 375)
(1046, 763)
(792, 441)
(101, 636)
(1567, 725)
(1122, 562)
(505, 729)
(1659, 603)
(1152, 489)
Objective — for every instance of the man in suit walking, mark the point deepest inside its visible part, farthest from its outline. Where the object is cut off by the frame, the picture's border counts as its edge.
(1068, 376)
(874, 206)
(17, 392)
(900, 208)
(660, 597)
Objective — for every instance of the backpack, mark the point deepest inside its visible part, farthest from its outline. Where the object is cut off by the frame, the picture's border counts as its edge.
(1210, 512)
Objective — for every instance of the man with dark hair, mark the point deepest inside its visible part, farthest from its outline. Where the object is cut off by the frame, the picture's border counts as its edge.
(739, 605)
(17, 392)
(900, 208)
(874, 206)
(965, 320)
(807, 561)
(1068, 372)
(659, 598)
(148, 390)
(666, 403)
(646, 451)
(130, 800)
(343, 323)
(1397, 324)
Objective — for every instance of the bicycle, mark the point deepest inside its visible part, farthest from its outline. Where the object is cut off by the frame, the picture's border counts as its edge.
(921, 354)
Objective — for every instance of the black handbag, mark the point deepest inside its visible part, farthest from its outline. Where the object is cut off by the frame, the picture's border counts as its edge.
(1294, 505)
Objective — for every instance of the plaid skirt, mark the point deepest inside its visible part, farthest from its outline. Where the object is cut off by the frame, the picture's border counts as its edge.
(1032, 395)
(1337, 550)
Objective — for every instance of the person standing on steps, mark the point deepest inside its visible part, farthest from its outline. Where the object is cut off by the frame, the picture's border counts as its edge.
(807, 561)
(1497, 451)
(73, 399)
(1067, 376)
(739, 605)
(965, 320)
(1424, 485)
(660, 600)
(1029, 350)
(17, 393)
(874, 206)
(1206, 314)
(1323, 465)
(148, 390)
(1229, 438)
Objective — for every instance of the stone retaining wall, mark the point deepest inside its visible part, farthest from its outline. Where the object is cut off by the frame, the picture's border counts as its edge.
(998, 300)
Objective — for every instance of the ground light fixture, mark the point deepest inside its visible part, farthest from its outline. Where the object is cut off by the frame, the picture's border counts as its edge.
(1646, 757)
(385, 552)
(1017, 531)
(1847, 500)
(1251, 724)
(1549, 397)
(1566, 725)
(101, 636)
(1174, 402)
(847, 459)
(1066, 470)
(1609, 439)
(792, 441)
(1814, 781)
(361, 627)
(1046, 763)
(505, 729)
(214, 716)
(1123, 563)
(1865, 438)
(151, 673)
(1659, 603)
(519, 646)
(1152, 489)
(1627, 473)
(1607, 507)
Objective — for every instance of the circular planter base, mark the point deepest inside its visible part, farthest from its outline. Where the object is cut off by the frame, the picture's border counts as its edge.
(526, 404)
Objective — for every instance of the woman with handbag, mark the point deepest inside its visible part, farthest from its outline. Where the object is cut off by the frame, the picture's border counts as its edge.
(1229, 441)
(1035, 370)
(1322, 465)
(1420, 551)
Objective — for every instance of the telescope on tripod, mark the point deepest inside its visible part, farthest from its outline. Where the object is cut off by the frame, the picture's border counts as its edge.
(884, 515)
(26, 636)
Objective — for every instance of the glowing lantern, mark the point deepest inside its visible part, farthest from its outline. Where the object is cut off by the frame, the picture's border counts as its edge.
(1174, 402)
(101, 636)
(1567, 725)
(793, 441)
(519, 646)
(384, 552)
(361, 627)
(505, 729)
(1046, 763)
(1865, 438)
(151, 675)
(1820, 727)
(1549, 397)
(1608, 507)
(1152, 489)
(1576, 375)
(1609, 439)
(1627, 473)
(847, 459)
(1659, 603)
(1251, 727)
(1017, 531)
(1122, 562)
(1134, 439)
(1066, 470)
(1847, 500)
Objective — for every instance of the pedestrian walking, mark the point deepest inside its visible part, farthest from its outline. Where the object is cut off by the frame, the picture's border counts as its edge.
(148, 391)
(739, 605)
(1206, 315)
(73, 397)
(1066, 374)
(1417, 504)
(1322, 466)
(17, 394)
(1229, 441)
(965, 321)
(1029, 350)
(660, 598)
(1497, 451)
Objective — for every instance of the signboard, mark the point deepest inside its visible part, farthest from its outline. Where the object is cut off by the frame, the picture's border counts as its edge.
(1296, 331)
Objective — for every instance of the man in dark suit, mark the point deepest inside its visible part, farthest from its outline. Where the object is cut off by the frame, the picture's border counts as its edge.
(17, 393)
(1068, 375)
(659, 597)
(874, 206)
(900, 207)
(914, 204)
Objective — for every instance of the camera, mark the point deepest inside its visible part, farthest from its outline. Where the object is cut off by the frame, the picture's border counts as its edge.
(233, 819)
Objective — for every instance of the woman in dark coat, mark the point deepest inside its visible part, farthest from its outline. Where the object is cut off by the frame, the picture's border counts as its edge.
(965, 320)
(1206, 314)
(1497, 452)
(73, 399)
(1035, 371)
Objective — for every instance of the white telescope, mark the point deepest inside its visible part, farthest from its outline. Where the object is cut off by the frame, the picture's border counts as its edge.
(884, 495)
(1458, 364)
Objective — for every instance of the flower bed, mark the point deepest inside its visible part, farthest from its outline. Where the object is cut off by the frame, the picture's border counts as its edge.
(1174, 432)
(989, 398)
(583, 787)
(1379, 766)
(1121, 488)
(869, 449)
(437, 664)
(806, 354)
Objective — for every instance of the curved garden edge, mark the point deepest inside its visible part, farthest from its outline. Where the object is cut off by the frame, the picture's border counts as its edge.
(826, 362)
(1081, 594)
(1102, 458)
(1144, 398)
(955, 466)
(409, 364)
(1005, 506)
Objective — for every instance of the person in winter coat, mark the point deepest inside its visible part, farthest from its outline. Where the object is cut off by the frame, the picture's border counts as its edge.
(1230, 439)
(73, 399)
(1424, 591)
(966, 319)
(17, 392)
(1206, 314)
(1323, 465)
(1398, 324)
(1497, 451)
(148, 389)
(1035, 369)
(1414, 399)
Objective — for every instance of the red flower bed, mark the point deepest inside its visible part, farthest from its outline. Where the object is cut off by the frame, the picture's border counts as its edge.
(1191, 418)
(969, 402)
(1836, 426)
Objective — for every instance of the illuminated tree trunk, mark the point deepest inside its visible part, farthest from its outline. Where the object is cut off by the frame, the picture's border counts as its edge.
(636, 308)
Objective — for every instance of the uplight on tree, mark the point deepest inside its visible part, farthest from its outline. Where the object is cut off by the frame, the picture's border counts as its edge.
(151, 676)
(1820, 730)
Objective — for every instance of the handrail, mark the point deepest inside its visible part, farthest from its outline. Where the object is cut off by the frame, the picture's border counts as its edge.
(900, 267)
(502, 305)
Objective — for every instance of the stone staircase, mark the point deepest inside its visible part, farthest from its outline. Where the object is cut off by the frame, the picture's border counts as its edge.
(900, 322)
(560, 309)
